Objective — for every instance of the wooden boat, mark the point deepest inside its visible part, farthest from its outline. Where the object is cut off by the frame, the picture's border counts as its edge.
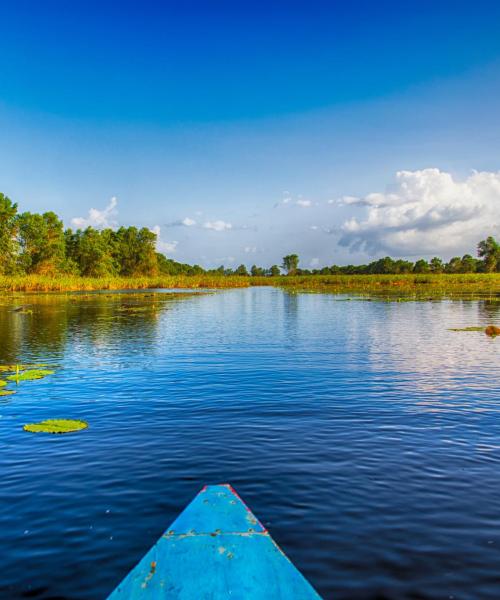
(215, 549)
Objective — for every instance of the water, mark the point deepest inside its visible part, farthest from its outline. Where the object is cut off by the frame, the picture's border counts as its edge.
(365, 435)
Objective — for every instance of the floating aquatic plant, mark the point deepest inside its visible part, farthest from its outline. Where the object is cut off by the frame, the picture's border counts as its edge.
(492, 331)
(2, 383)
(7, 392)
(466, 329)
(29, 375)
(56, 426)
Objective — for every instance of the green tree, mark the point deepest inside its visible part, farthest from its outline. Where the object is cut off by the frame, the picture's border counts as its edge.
(256, 271)
(469, 264)
(241, 270)
(290, 263)
(8, 230)
(454, 265)
(274, 271)
(489, 251)
(421, 266)
(134, 250)
(92, 251)
(41, 243)
(436, 265)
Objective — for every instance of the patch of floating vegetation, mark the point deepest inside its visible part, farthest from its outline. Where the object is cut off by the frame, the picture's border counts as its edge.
(466, 329)
(15, 368)
(2, 383)
(56, 426)
(492, 330)
(30, 375)
(7, 392)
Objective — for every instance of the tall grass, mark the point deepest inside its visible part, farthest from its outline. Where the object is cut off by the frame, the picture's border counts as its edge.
(62, 283)
(383, 284)
(390, 284)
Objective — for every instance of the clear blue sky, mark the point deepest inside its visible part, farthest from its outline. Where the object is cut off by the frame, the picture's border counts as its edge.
(253, 115)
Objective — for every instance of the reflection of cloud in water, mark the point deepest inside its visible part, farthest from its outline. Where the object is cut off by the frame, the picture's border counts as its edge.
(409, 344)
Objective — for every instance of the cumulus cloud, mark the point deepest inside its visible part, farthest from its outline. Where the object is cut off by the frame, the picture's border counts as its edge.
(100, 219)
(162, 245)
(304, 203)
(425, 212)
(217, 225)
(186, 222)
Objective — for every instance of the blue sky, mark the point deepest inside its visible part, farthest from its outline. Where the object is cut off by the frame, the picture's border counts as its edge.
(244, 131)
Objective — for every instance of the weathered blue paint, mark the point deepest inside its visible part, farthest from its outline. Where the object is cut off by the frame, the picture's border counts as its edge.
(215, 549)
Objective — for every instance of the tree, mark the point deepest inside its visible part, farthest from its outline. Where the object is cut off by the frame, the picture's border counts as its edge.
(92, 251)
(454, 265)
(489, 251)
(274, 271)
(436, 265)
(290, 263)
(241, 270)
(135, 251)
(41, 243)
(8, 230)
(469, 264)
(256, 271)
(421, 266)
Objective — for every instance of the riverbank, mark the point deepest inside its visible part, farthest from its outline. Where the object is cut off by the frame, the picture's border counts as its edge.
(442, 284)
(414, 284)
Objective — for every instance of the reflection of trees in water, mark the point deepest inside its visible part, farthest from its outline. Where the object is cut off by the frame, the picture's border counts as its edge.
(42, 329)
(489, 310)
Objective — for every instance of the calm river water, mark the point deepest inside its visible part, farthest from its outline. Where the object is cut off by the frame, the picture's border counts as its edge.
(365, 435)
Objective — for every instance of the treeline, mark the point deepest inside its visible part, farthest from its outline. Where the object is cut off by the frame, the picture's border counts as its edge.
(488, 261)
(32, 243)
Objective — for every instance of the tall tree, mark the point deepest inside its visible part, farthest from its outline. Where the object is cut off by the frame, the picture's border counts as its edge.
(8, 230)
(489, 251)
(290, 263)
(41, 243)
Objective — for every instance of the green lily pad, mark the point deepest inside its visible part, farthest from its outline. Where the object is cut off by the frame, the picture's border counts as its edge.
(30, 375)
(467, 329)
(2, 383)
(56, 426)
(7, 392)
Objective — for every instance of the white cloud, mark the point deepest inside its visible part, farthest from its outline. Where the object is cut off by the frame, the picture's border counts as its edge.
(217, 225)
(425, 212)
(250, 249)
(187, 222)
(162, 245)
(289, 201)
(100, 219)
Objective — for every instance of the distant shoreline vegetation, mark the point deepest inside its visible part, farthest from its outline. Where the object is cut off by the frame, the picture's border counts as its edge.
(38, 254)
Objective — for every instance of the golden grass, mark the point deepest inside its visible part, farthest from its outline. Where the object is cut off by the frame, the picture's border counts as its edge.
(62, 283)
(443, 284)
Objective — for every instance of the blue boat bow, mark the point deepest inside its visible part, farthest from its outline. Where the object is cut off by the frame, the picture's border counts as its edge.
(216, 549)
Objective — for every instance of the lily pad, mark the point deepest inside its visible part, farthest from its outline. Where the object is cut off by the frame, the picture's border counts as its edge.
(30, 375)
(56, 426)
(467, 329)
(2, 383)
(7, 392)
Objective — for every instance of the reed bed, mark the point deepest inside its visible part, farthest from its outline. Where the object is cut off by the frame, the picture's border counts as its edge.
(442, 284)
(39, 283)
(422, 284)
